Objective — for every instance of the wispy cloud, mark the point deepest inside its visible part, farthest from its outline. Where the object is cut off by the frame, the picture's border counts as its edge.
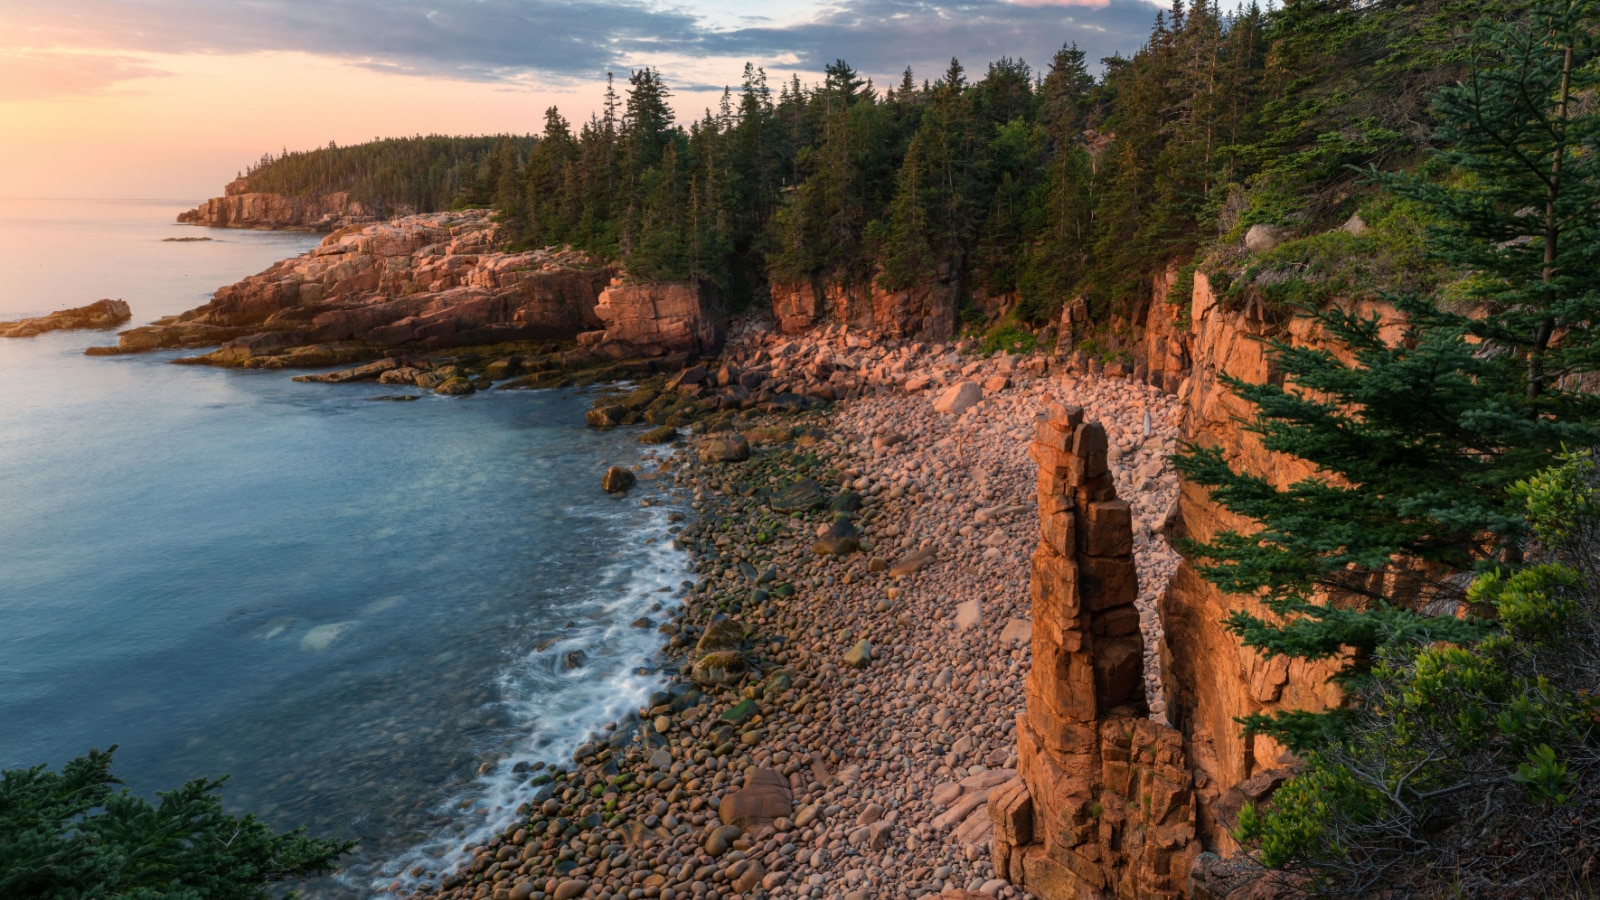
(54, 74)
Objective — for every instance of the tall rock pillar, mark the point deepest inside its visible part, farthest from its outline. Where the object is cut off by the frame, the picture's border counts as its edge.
(1104, 804)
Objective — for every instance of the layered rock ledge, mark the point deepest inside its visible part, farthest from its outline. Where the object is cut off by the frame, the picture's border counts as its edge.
(99, 314)
(423, 283)
(240, 207)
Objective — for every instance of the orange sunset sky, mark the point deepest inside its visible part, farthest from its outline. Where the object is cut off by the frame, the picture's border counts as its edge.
(170, 98)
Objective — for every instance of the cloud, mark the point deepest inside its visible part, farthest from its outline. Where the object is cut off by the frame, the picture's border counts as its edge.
(544, 41)
(884, 36)
(50, 75)
(469, 39)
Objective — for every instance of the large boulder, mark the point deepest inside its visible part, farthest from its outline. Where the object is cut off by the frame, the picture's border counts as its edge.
(722, 448)
(764, 798)
(841, 539)
(958, 398)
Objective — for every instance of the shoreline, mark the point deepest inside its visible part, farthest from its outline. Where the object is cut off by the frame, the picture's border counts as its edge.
(844, 781)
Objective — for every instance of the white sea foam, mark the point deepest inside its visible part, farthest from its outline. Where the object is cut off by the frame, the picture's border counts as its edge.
(555, 709)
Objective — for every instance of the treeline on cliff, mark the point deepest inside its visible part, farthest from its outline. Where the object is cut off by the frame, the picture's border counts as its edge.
(413, 174)
(1037, 183)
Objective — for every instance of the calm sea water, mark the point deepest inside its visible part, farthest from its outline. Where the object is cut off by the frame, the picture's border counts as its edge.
(348, 606)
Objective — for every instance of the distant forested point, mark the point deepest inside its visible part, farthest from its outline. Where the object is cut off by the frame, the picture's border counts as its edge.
(411, 174)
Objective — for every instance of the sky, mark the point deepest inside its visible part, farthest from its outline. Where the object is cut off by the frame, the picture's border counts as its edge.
(170, 99)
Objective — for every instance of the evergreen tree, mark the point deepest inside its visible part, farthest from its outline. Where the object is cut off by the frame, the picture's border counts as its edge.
(73, 833)
(1418, 440)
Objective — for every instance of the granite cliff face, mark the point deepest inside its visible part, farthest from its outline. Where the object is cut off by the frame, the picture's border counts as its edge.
(240, 208)
(424, 283)
(924, 311)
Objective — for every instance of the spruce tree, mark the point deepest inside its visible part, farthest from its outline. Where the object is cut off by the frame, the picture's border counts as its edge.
(1418, 439)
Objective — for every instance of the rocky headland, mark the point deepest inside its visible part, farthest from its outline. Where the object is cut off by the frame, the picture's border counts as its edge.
(424, 283)
(99, 314)
(239, 207)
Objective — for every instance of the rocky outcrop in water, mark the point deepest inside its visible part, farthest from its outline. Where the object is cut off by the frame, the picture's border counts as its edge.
(423, 283)
(243, 208)
(99, 314)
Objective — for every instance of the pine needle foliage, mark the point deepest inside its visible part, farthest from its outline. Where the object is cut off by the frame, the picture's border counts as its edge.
(74, 834)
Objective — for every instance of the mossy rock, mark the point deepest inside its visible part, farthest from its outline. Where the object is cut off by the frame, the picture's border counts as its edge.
(666, 434)
(455, 387)
(740, 712)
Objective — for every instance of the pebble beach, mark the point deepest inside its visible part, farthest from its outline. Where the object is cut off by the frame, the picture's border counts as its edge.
(850, 660)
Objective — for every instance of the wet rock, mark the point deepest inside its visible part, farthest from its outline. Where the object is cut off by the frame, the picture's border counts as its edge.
(847, 502)
(574, 659)
(722, 634)
(666, 434)
(359, 373)
(617, 480)
(739, 713)
(455, 387)
(606, 416)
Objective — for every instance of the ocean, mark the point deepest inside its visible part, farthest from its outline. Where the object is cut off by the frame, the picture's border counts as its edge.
(356, 610)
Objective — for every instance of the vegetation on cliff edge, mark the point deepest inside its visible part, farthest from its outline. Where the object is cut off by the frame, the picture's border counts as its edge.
(1444, 555)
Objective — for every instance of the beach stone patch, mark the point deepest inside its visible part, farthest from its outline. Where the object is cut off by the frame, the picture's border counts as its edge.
(859, 742)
